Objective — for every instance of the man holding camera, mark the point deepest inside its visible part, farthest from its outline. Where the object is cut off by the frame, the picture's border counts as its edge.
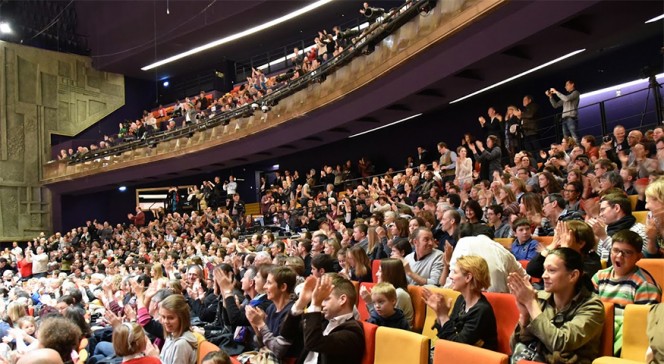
(570, 105)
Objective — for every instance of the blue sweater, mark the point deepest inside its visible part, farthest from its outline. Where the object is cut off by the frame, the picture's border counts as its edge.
(525, 251)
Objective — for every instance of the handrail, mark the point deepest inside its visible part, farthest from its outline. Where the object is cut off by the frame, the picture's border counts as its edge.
(368, 39)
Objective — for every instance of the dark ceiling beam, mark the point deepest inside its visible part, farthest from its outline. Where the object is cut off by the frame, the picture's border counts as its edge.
(313, 139)
(340, 130)
(399, 107)
(470, 74)
(368, 119)
(430, 92)
(287, 146)
(264, 153)
(519, 51)
(579, 24)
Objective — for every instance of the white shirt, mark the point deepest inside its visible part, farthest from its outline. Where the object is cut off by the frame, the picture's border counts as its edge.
(230, 187)
(501, 262)
(39, 263)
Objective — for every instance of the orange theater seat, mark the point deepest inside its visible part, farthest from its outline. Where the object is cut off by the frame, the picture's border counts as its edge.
(369, 342)
(430, 318)
(452, 352)
(507, 317)
(546, 240)
(204, 348)
(419, 307)
(361, 304)
(654, 266)
(395, 346)
(375, 266)
(606, 341)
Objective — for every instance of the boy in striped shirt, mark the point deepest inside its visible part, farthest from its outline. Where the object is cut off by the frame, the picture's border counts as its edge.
(624, 282)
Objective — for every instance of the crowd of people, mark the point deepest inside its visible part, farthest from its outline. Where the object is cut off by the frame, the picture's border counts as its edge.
(192, 110)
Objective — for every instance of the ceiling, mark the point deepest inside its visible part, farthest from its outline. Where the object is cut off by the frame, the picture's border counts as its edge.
(510, 40)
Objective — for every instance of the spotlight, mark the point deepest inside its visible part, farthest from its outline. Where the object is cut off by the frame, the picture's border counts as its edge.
(5, 28)
(254, 106)
(166, 83)
(122, 188)
(265, 108)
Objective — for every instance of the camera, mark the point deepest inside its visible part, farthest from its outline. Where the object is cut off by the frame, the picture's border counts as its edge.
(607, 139)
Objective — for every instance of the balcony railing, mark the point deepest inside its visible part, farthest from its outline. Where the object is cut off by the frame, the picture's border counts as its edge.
(408, 34)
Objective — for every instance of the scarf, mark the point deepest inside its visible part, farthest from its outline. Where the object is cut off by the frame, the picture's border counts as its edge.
(624, 223)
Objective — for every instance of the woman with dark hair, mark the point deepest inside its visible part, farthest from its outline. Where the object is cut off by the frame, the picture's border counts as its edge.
(548, 184)
(392, 271)
(530, 207)
(563, 323)
(473, 212)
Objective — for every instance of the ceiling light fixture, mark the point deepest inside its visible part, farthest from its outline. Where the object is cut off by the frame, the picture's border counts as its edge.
(519, 75)
(655, 19)
(385, 126)
(239, 35)
(5, 28)
(620, 87)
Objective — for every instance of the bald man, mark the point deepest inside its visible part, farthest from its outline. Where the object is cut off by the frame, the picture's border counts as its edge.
(41, 356)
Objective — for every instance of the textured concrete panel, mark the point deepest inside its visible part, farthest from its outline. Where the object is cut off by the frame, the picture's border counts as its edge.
(81, 110)
(49, 90)
(27, 81)
(95, 107)
(42, 92)
(64, 69)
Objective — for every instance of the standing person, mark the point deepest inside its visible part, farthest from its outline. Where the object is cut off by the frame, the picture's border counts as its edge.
(39, 263)
(181, 344)
(236, 208)
(464, 167)
(529, 124)
(139, 219)
(563, 323)
(230, 186)
(447, 162)
(24, 264)
(490, 158)
(570, 104)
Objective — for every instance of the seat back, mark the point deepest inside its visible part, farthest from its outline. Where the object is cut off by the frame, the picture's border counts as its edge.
(632, 201)
(635, 339)
(395, 346)
(606, 340)
(507, 317)
(204, 348)
(506, 242)
(419, 307)
(546, 240)
(655, 267)
(369, 342)
(452, 352)
(361, 304)
(640, 216)
(375, 265)
(430, 318)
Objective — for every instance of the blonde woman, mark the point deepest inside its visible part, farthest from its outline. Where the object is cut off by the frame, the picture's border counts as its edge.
(181, 344)
(472, 320)
(130, 343)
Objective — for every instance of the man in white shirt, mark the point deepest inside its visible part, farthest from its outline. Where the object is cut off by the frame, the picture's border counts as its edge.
(39, 263)
(500, 260)
(231, 186)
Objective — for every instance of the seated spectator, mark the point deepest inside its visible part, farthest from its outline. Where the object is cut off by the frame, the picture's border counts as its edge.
(447, 230)
(573, 234)
(41, 356)
(401, 249)
(501, 229)
(216, 357)
(279, 287)
(472, 320)
(615, 214)
(654, 226)
(329, 298)
(562, 323)
(359, 265)
(524, 246)
(383, 298)
(629, 176)
(59, 334)
(572, 196)
(181, 344)
(624, 282)
(479, 242)
(131, 344)
(391, 271)
(424, 265)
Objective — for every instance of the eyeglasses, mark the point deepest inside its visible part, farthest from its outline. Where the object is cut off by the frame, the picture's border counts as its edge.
(625, 253)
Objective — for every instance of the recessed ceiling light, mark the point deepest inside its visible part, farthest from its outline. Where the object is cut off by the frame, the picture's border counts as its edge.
(239, 35)
(385, 126)
(655, 19)
(5, 28)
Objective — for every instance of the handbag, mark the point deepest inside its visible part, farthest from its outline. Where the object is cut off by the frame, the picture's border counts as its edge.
(528, 351)
(262, 356)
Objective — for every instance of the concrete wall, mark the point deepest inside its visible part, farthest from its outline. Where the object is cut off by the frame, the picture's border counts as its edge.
(42, 92)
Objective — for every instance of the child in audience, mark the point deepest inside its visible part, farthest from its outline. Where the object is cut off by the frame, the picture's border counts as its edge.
(524, 246)
(385, 312)
(624, 282)
(341, 338)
